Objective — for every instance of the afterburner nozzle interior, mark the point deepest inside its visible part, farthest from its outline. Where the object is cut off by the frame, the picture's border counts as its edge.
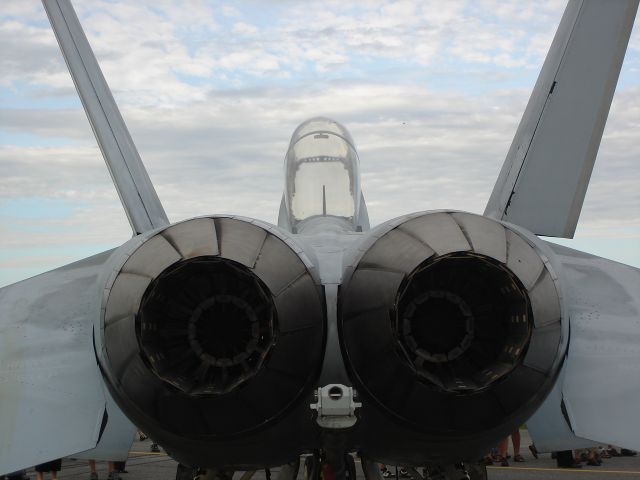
(201, 321)
(463, 321)
(206, 325)
(447, 314)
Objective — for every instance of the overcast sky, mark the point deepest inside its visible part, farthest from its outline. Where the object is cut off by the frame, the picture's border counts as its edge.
(432, 92)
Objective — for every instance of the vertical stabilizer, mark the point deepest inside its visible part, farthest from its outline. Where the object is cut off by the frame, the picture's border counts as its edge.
(544, 178)
(132, 182)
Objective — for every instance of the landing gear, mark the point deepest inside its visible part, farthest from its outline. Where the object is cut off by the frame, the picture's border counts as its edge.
(288, 471)
(316, 467)
(457, 471)
(477, 472)
(312, 467)
(185, 473)
(191, 473)
(350, 466)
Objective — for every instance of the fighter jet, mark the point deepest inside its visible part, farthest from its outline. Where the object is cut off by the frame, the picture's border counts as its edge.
(239, 345)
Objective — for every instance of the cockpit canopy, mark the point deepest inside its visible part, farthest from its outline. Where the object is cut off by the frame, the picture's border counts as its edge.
(322, 172)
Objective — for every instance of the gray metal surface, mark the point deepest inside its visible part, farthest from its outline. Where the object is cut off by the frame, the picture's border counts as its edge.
(328, 239)
(442, 234)
(240, 241)
(549, 428)
(543, 348)
(603, 360)
(273, 256)
(546, 308)
(130, 177)
(117, 437)
(193, 239)
(363, 215)
(128, 289)
(152, 257)
(545, 175)
(523, 260)
(486, 238)
(398, 250)
(51, 395)
(335, 406)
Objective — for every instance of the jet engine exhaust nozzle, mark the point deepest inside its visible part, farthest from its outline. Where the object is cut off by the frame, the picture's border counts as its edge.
(200, 322)
(451, 322)
(463, 321)
(206, 325)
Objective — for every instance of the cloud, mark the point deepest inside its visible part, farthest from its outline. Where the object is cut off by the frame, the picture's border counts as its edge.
(242, 28)
(431, 91)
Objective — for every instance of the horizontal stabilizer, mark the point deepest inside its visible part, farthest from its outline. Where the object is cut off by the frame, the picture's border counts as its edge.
(138, 197)
(545, 175)
(52, 403)
(117, 436)
(600, 391)
(549, 427)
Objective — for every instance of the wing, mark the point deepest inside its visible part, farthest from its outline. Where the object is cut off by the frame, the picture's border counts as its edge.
(131, 179)
(597, 395)
(117, 437)
(53, 402)
(544, 178)
(550, 428)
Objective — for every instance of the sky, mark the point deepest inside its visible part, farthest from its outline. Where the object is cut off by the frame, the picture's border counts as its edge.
(431, 91)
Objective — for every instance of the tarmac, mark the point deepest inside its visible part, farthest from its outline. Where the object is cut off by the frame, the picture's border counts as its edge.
(146, 465)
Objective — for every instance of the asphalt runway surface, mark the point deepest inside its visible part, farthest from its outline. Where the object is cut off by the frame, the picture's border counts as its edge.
(145, 465)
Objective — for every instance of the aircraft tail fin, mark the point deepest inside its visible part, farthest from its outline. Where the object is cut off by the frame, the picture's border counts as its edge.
(139, 198)
(545, 175)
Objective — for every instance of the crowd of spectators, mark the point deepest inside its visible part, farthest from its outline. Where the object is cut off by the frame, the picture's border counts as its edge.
(114, 468)
(592, 457)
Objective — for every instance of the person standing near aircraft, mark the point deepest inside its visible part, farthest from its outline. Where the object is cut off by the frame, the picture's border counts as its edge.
(503, 449)
(111, 475)
(54, 466)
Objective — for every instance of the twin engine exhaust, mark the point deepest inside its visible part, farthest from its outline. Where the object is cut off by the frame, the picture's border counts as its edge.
(216, 327)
